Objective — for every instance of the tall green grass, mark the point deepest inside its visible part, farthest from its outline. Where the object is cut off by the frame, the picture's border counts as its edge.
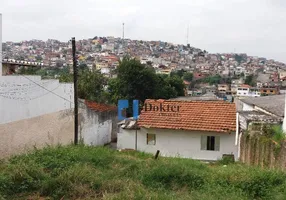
(83, 172)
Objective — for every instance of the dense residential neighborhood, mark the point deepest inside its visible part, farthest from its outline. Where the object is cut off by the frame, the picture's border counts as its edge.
(217, 95)
(240, 75)
(104, 117)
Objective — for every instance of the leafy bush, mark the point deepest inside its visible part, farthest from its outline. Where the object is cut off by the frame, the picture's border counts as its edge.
(226, 160)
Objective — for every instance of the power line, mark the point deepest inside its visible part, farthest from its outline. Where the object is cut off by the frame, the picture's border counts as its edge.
(24, 98)
(20, 89)
(46, 89)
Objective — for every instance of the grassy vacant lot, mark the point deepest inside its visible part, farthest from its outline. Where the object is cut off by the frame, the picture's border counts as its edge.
(101, 173)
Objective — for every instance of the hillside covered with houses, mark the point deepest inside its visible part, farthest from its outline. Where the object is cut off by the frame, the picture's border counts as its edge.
(227, 74)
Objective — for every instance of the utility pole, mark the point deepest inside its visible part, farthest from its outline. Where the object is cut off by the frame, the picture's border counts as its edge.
(123, 38)
(75, 74)
(136, 140)
(188, 35)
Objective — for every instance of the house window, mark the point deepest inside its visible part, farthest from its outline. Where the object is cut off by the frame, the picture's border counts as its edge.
(210, 143)
(151, 139)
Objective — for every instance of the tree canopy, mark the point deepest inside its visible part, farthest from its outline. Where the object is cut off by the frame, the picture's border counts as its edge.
(136, 81)
(216, 79)
(179, 73)
(188, 76)
(249, 80)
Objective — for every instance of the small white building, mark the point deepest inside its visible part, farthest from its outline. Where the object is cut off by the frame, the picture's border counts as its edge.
(203, 130)
(98, 123)
(247, 91)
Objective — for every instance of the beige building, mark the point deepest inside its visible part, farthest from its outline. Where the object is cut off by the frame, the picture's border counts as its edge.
(223, 88)
(282, 75)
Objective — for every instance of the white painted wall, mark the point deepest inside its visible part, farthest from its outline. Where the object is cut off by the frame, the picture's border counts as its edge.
(247, 107)
(91, 130)
(21, 98)
(0, 44)
(176, 143)
(105, 70)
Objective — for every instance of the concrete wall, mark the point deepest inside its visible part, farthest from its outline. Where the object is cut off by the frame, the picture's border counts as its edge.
(50, 129)
(177, 143)
(96, 128)
(22, 97)
(247, 107)
(0, 44)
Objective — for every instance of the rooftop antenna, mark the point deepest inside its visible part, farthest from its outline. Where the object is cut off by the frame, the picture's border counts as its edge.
(188, 35)
(123, 37)
(123, 31)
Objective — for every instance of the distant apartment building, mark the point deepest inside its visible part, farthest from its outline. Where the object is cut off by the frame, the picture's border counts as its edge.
(247, 91)
(233, 89)
(282, 75)
(211, 89)
(223, 88)
(269, 91)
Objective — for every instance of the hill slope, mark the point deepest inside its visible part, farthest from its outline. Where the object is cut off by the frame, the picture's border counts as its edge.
(100, 173)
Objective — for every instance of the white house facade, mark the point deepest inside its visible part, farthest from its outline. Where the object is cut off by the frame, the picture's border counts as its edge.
(203, 130)
(177, 143)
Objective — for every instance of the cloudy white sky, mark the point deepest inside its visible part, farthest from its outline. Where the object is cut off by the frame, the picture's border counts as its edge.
(255, 27)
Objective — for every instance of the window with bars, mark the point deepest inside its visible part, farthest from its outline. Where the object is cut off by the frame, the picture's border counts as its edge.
(151, 139)
(210, 143)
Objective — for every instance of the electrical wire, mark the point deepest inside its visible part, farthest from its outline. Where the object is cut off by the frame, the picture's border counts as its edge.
(46, 89)
(25, 98)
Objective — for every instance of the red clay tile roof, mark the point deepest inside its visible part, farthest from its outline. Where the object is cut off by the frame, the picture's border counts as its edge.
(216, 116)
(100, 107)
(245, 86)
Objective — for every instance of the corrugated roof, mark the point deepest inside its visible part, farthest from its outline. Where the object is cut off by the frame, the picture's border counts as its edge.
(259, 116)
(274, 104)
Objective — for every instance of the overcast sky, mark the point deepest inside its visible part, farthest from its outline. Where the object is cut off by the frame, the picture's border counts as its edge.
(255, 27)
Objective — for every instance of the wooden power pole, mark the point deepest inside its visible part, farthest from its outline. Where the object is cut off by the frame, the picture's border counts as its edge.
(75, 76)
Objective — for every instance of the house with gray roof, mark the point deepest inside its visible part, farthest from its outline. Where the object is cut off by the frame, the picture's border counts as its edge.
(266, 109)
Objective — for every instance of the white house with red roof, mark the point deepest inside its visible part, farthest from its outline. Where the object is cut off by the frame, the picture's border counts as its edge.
(203, 130)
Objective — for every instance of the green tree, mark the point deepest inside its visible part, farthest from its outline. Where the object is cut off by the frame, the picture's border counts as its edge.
(41, 72)
(134, 81)
(149, 63)
(29, 70)
(177, 83)
(137, 81)
(249, 80)
(163, 89)
(188, 76)
(179, 73)
(66, 78)
(82, 66)
(216, 79)
(91, 86)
